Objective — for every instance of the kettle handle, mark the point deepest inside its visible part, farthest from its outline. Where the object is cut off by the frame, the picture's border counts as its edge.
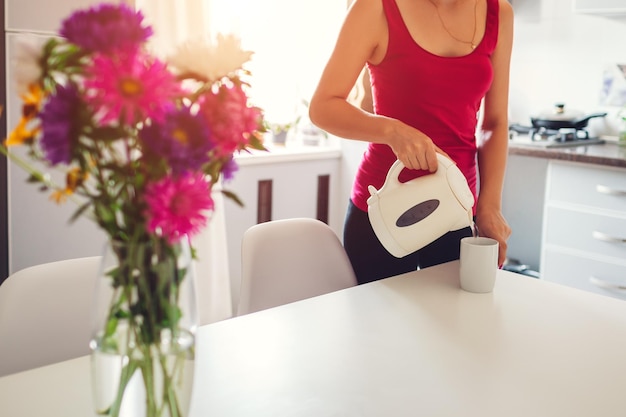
(397, 167)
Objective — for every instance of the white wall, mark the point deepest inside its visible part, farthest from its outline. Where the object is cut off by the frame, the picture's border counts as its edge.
(559, 55)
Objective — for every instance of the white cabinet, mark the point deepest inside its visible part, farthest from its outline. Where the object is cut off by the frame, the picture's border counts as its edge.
(603, 7)
(522, 206)
(584, 228)
(294, 180)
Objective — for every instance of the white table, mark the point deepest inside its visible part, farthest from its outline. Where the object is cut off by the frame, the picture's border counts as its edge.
(411, 345)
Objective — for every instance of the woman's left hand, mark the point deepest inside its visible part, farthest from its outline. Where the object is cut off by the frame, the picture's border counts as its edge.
(491, 223)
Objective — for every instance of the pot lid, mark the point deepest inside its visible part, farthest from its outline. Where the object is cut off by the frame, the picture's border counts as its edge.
(560, 113)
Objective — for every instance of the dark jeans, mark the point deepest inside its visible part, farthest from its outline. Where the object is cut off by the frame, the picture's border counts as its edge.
(372, 262)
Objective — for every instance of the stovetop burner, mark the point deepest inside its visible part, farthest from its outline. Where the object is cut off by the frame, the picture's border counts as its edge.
(553, 138)
(560, 135)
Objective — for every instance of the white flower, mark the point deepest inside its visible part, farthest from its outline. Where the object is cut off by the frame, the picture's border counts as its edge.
(26, 61)
(210, 60)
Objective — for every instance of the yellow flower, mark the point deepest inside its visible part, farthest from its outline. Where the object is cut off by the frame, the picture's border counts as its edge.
(32, 101)
(59, 196)
(74, 178)
(23, 132)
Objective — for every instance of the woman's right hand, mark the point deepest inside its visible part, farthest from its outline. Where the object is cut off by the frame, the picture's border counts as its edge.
(413, 148)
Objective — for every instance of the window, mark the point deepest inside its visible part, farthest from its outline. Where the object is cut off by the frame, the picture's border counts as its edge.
(292, 40)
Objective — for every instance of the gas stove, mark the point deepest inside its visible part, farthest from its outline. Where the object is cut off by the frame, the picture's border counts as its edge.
(549, 138)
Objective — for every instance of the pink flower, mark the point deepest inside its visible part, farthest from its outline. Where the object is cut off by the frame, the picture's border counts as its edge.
(230, 118)
(129, 87)
(178, 206)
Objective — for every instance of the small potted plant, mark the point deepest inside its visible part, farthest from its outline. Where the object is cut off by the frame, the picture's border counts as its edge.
(279, 132)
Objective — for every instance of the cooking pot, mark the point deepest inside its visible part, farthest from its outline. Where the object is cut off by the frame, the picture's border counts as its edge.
(559, 118)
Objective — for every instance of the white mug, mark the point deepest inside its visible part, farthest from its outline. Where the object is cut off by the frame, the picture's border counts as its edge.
(478, 264)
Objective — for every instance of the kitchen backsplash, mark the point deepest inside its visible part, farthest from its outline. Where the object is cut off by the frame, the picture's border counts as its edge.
(562, 56)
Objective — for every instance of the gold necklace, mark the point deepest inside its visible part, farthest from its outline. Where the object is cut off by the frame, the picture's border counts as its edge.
(470, 42)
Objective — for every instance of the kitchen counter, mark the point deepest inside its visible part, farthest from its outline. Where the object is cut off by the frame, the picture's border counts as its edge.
(276, 154)
(607, 154)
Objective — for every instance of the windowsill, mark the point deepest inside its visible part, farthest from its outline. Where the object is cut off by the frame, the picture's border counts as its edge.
(278, 154)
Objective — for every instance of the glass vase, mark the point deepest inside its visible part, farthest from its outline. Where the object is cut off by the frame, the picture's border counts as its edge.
(142, 360)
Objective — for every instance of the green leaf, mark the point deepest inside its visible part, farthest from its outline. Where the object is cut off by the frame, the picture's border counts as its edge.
(111, 326)
(231, 195)
(79, 212)
(33, 179)
(107, 133)
(256, 142)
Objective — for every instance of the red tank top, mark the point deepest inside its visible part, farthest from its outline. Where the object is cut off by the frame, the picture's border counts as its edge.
(438, 95)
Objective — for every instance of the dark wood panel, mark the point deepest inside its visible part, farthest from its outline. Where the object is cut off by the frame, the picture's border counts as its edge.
(264, 201)
(323, 197)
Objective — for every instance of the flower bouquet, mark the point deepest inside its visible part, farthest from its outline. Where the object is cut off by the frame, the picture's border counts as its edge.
(140, 142)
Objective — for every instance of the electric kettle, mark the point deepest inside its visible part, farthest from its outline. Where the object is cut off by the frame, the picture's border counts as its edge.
(408, 216)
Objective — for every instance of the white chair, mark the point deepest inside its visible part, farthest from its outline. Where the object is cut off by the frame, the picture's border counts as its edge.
(45, 313)
(289, 260)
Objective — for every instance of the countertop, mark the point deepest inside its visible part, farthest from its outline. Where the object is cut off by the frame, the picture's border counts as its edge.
(606, 154)
(278, 154)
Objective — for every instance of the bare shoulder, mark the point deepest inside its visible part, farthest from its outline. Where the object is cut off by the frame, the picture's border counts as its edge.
(505, 35)
(506, 11)
(373, 4)
(367, 9)
(366, 23)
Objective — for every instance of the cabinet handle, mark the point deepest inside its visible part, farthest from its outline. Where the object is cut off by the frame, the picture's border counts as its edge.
(607, 238)
(611, 191)
(606, 285)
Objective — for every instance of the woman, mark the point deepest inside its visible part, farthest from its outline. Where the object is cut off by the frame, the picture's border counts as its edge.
(432, 64)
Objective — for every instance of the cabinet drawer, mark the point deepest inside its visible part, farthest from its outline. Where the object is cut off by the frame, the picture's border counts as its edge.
(583, 273)
(587, 232)
(592, 186)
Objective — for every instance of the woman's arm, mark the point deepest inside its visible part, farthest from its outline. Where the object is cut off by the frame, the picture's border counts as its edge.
(493, 143)
(363, 38)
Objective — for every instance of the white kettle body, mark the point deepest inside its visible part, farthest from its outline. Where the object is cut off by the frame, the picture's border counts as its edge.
(408, 216)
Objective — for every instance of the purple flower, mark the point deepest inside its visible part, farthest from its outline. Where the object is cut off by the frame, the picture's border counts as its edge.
(182, 138)
(229, 168)
(59, 119)
(106, 28)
